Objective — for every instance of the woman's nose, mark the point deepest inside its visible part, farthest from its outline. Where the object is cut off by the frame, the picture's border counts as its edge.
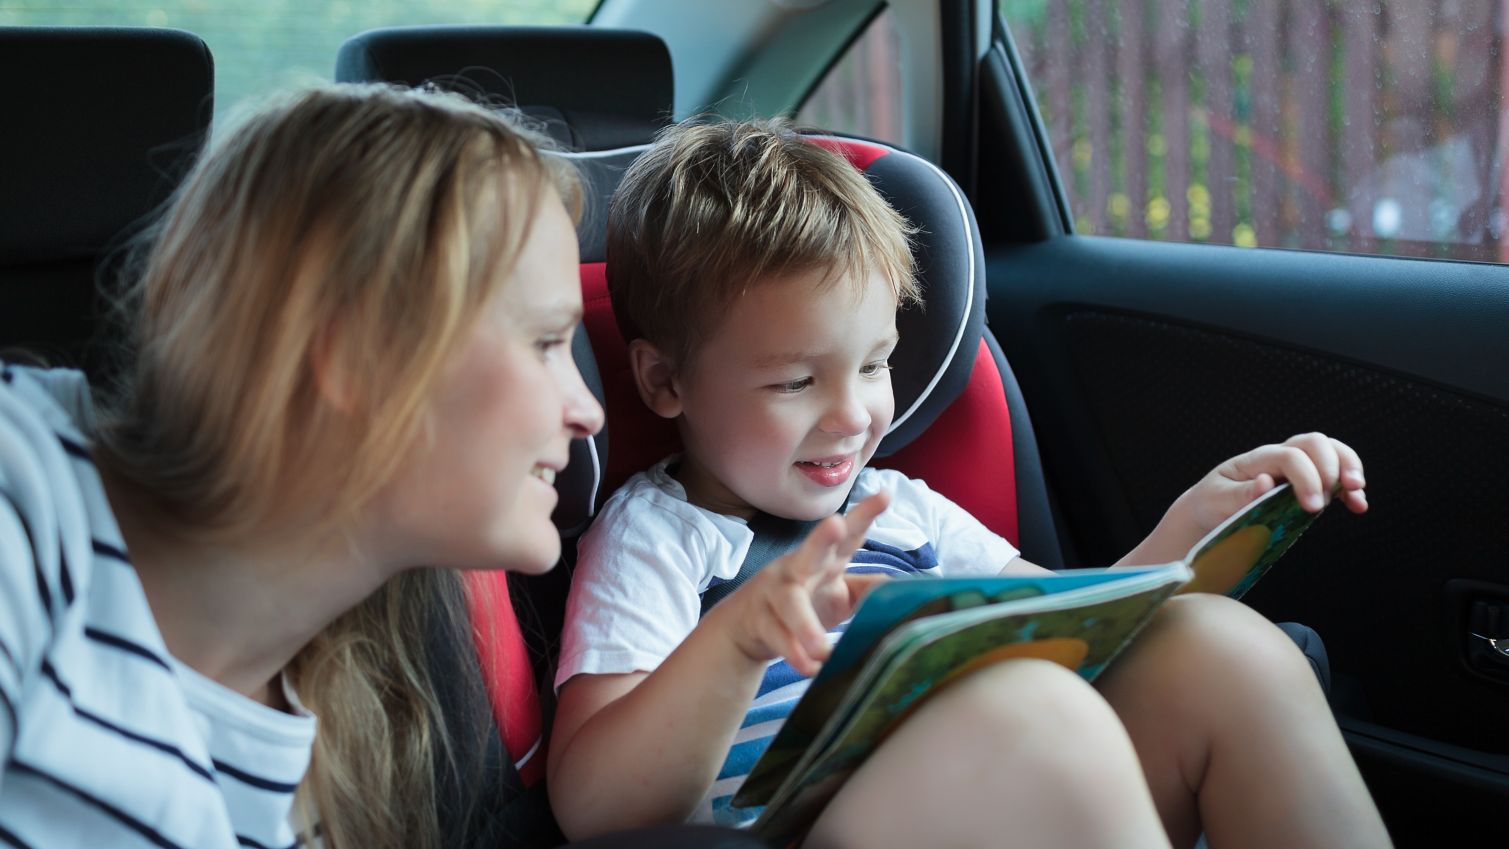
(584, 416)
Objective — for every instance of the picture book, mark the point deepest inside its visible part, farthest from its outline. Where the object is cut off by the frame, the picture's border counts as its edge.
(912, 636)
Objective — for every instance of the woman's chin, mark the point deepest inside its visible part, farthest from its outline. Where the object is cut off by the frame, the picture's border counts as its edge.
(536, 557)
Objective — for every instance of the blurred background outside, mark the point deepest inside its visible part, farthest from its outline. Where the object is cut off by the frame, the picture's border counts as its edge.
(1370, 127)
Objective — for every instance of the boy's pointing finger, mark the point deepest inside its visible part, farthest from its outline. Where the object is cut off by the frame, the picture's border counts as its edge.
(858, 520)
(817, 550)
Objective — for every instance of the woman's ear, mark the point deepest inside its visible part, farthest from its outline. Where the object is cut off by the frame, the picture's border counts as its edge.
(332, 379)
(654, 377)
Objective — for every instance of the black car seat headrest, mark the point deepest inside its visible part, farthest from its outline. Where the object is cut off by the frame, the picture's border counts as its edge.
(593, 88)
(601, 94)
(100, 125)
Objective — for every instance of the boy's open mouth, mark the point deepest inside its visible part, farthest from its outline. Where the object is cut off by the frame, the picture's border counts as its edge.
(827, 471)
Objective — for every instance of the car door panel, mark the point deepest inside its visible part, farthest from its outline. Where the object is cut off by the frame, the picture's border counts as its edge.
(1146, 363)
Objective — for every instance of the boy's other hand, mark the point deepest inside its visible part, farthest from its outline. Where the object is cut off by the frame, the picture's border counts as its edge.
(787, 609)
(1315, 465)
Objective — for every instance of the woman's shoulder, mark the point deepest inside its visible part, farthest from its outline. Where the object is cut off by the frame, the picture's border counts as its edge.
(58, 397)
(55, 519)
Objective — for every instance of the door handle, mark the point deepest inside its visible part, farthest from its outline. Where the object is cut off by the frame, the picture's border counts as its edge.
(1490, 623)
(1480, 625)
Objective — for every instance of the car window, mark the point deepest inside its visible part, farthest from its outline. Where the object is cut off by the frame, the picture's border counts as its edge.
(1364, 127)
(264, 45)
(861, 94)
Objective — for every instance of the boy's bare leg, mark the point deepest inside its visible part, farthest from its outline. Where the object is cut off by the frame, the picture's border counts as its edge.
(1024, 753)
(1235, 734)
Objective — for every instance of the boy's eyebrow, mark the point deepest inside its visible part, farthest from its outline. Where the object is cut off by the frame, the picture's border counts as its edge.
(786, 358)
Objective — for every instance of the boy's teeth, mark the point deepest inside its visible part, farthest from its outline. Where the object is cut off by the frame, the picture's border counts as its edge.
(545, 474)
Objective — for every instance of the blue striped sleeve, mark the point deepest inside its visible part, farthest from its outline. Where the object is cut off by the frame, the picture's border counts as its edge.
(18, 607)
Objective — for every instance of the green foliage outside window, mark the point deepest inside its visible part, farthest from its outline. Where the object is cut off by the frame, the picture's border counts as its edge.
(264, 45)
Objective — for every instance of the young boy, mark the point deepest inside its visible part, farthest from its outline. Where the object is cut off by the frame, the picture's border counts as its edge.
(758, 277)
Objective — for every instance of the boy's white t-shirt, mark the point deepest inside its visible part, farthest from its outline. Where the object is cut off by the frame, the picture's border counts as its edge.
(648, 557)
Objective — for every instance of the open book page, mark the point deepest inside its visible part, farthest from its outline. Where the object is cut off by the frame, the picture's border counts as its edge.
(1074, 629)
(902, 613)
(885, 609)
(1233, 556)
(911, 636)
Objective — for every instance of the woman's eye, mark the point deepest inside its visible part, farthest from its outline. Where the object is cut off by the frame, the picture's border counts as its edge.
(791, 386)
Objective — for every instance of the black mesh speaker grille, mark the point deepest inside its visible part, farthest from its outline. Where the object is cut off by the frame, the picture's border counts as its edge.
(1171, 401)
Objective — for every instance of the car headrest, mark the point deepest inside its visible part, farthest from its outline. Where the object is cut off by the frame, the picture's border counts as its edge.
(601, 93)
(594, 88)
(99, 122)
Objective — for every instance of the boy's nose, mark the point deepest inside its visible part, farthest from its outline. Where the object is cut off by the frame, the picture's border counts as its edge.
(847, 415)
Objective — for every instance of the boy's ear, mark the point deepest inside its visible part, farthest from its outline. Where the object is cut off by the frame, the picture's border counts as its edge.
(654, 377)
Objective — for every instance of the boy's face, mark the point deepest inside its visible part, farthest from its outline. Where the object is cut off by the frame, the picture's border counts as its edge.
(789, 398)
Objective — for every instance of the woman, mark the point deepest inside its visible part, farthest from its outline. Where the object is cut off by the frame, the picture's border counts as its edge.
(352, 359)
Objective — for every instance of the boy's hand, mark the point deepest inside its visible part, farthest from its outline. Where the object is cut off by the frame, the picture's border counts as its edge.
(1315, 465)
(786, 609)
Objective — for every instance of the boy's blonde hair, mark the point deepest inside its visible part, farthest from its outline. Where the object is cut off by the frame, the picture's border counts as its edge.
(714, 208)
(359, 230)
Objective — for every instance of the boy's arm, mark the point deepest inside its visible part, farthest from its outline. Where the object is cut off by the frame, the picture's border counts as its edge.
(1314, 464)
(1019, 565)
(643, 748)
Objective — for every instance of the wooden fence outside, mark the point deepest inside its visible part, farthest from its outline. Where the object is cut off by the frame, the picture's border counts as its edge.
(1373, 127)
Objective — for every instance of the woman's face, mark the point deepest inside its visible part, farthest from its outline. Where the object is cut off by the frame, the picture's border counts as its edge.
(480, 494)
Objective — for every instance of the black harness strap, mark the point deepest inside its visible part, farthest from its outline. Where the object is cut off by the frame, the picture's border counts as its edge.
(773, 537)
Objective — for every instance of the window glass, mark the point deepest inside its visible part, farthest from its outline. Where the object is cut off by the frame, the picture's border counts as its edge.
(1371, 127)
(861, 93)
(263, 45)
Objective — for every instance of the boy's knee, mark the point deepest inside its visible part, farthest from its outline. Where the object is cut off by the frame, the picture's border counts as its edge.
(1030, 720)
(1210, 630)
(1025, 696)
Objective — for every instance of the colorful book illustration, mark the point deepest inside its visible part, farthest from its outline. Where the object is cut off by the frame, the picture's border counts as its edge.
(912, 636)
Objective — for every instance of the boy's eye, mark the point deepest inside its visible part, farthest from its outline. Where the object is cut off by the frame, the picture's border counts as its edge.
(547, 344)
(791, 386)
(875, 368)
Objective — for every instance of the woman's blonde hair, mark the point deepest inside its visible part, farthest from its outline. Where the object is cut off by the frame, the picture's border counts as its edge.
(317, 269)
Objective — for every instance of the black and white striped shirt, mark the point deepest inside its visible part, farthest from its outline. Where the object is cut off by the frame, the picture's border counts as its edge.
(105, 738)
